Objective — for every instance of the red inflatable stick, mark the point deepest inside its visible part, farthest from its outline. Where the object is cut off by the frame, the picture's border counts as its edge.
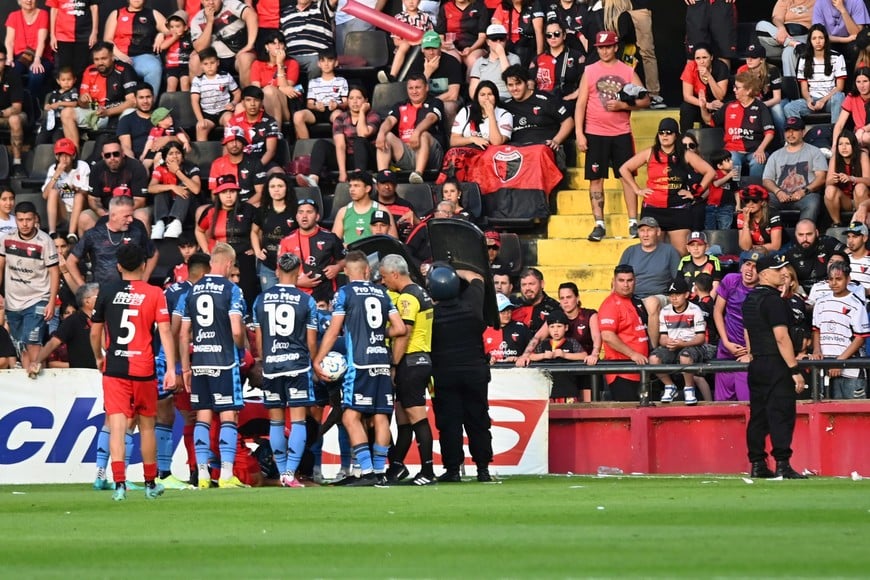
(382, 21)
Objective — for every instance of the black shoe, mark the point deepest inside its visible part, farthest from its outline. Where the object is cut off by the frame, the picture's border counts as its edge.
(761, 470)
(382, 481)
(424, 479)
(483, 475)
(347, 480)
(367, 480)
(450, 476)
(396, 472)
(784, 470)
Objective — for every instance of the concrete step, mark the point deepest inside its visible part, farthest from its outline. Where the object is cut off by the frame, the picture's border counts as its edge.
(595, 278)
(577, 253)
(571, 202)
(579, 226)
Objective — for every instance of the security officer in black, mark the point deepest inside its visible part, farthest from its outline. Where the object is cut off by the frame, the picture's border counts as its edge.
(460, 370)
(774, 378)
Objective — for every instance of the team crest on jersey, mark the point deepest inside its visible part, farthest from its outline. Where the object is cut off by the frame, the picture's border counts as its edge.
(536, 111)
(515, 336)
(320, 244)
(752, 118)
(507, 164)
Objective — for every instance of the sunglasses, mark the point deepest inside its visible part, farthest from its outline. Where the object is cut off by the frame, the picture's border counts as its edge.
(110, 154)
(497, 38)
(306, 201)
(491, 247)
(666, 133)
(690, 146)
(554, 35)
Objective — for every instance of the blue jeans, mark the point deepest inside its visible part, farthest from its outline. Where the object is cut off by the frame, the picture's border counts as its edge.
(808, 205)
(35, 82)
(756, 169)
(800, 108)
(149, 67)
(28, 326)
(848, 388)
(778, 113)
(719, 217)
(268, 278)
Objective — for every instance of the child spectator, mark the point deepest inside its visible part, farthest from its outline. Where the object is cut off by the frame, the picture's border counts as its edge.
(66, 188)
(186, 247)
(418, 19)
(703, 297)
(560, 348)
(840, 326)
(327, 96)
(698, 261)
(7, 216)
(214, 95)
(682, 338)
(164, 126)
(178, 47)
(721, 202)
(507, 343)
(66, 95)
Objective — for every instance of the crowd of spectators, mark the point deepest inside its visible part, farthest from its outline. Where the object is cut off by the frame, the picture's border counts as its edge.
(483, 75)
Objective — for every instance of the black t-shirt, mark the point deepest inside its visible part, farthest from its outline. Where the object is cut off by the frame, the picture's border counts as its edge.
(274, 227)
(457, 331)
(131, 174)
(573, 21)
(11, 89)
(764, 309)
(449, 72)
(100, 246)
(403, 112)
(137, 128)
(810, 263)
(537, 119)
(75, 333)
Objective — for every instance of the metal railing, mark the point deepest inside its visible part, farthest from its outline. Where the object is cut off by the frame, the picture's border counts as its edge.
(814, 380)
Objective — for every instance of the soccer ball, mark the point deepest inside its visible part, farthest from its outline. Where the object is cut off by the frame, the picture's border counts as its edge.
(333, 365)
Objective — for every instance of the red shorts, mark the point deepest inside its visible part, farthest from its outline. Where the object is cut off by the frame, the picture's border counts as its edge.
(130, 397)
(182, 400)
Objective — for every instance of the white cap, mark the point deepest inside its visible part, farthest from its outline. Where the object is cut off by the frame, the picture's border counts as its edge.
(495, 30)
(503, 302)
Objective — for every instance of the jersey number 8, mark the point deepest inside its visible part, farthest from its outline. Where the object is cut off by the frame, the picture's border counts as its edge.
(374, 315)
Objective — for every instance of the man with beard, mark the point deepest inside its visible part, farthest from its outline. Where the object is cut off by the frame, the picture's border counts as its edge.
(810, 253)
(116, 174)
(105, 93)
(537, 303)
(728, 316)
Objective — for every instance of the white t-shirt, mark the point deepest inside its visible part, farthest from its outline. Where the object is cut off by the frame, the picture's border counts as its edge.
(7, 226)
(70, 181)
(821, 84)
(860, 270)
(682, 326)
(326, 92)
(504, 120)
(838, 320)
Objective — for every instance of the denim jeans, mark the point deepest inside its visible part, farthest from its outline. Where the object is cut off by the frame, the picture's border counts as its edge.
(848, 388)
(800, 108)
(148, 67)
(756, 169)
(719, 217)
(808, 205)
(268, 277)
(28, 326)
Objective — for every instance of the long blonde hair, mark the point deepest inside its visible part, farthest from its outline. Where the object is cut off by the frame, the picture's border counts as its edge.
(612, 11)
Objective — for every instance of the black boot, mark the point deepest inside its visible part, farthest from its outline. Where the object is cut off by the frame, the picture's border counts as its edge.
(761, 470)
(784, 470)
(483, 475)
(450, 476)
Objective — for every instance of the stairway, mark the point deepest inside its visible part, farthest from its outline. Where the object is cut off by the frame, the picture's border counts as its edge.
(566, 255)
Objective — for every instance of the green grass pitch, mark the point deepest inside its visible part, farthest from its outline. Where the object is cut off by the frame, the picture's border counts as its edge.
(544, 527)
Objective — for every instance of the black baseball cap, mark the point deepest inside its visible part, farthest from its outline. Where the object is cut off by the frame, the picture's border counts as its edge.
(678, 286)
(557, 317)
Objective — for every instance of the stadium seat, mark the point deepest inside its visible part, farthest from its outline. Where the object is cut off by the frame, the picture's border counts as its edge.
(36, 199)
(727, 240)
(471, 199)
(36, 163)
(88, 148)
(203, 154)
(387, 95)
(4, 166)
(182, 111)
(310, 193)
(369, 46)
(283, 155)
(304, 147)
(339, 200)
(710, 139)
(511, 253)
(419, 195)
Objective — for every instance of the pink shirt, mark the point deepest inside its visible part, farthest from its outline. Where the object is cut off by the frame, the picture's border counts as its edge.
(605, 82)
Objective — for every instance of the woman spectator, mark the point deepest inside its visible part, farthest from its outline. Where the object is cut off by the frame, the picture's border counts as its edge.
(7, 211)
(27, 50)
(770, 81)
(855, 108)
(800, 325)
(848, 177)
(573, 16)
(273, 220)
(278, 76)
(617, 19)
(559, 68)
(747, 123)
(174, 183)
(822, 78)
(524, 20)
(229, 220)
(667, 196)
(452, 192)
(462, 26)
(137, 33)
(703, 74)
(353, 134)
(760, 227)
(476, 127)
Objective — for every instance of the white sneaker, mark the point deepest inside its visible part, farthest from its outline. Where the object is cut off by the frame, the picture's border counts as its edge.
(657, 102)
(689, 395)
(415, 178)
(173, 230)
(670, 393)
(157, 230)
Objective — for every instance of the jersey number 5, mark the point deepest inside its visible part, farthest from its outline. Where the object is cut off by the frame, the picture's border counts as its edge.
(128, 326)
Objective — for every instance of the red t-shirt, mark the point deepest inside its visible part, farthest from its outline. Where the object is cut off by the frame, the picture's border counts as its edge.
(268, 13)
(220, 227)
(27, 35)
(264, 73)
(618, 314)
